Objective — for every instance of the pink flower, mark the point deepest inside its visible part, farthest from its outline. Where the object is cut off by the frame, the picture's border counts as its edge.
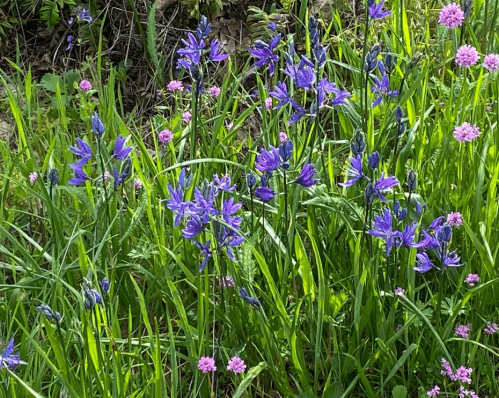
(138, 184)
(491, 328)
(228, 126)
(463, 393)
(466, 132)
(227, 282)
(268, 103)
(463, 331)
(466, 56)
(451, 16)
(491, 62)
(214, 91)
(33, 177)
(85, 85)
(399, 291)
(207, 364)
(472, 279)
(186, 116)
(236, 364)
(462, 374)
(283, 137)
(107, 176)
(434, 392)
(454, 219)
(175, 85)
(165, 136)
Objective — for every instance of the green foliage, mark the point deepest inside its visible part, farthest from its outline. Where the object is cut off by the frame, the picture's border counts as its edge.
(51, 9)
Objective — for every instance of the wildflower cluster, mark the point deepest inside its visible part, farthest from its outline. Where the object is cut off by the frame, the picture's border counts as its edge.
(207, 364)
(84, 152)
(462, 375)
(204, 210)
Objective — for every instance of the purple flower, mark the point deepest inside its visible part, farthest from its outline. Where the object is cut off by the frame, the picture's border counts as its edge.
(227, 282)
(165, 136)
(423, 262)
(85, 85)
(228, 209)
(193, 227)
(207, 364)
(382, 228)
(121, 152)
(244, 295)
(186, 117)
(407, 236)
(236, 365)
(306, 176)
(281, 94)
(285, 153)
(268, 161)
(83, 150)
(9, 359)
(223, 184)
(120, 178)
(70, 44)
(454, 219)
(97, 126)
(84, 15)
(204, 28)
(376, 12)
(381, 87)
(451, 16)
(264, 53)
(491, 328)
(80, 177)
(215, 53)
(214, 91)
(354, 171)
(433, 392)
(33, 177)
(302, 75)
(491, 62)
(104, 285)
(466, 132)
(192, 50)
(177, 204)
(451, 259)
(383, 184)
(373, 160)
(205, 253)
(466, 56)
(184, 182)
(265, 194)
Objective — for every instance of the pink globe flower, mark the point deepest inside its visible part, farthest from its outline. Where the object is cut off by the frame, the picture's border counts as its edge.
(214, 91)
(463, 331)
(472, 279)
(175, 85)
(491, 328)
(268, 103)
(236, 365)
(227, 282)
(33, 177)
(466, 132)
(85, 85)
(107, 176)
(451, 16)
(399, 291)
(207, 364)
(435, 391)
(466, 56)
(138, 184)
(283, 137)
(491, 63)
(186, 116)
(165, 136)
(454, 219)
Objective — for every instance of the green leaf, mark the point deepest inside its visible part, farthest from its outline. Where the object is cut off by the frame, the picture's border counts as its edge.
(399, 392)
(253, 372)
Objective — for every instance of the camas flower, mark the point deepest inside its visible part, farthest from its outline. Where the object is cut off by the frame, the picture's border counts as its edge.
(268, 161)
(177, 204)
(264, 53)
(244, 295)
(306, 176)
(236, 365)
(223, 183)
(466, 56)
(49, 313)
(303, 74)
(383, 184)
(82, 149)
(376, 10)
(9, 359)
(97, 126)
(382, 228)
(265, 194)
(424, 263)
(354, 171)
(382, 86)
(80, 177)
(206, 253)
(451, 16)
(215, 53)
(191, 52)
(120, 151)
(491, 62)
(207, 364)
